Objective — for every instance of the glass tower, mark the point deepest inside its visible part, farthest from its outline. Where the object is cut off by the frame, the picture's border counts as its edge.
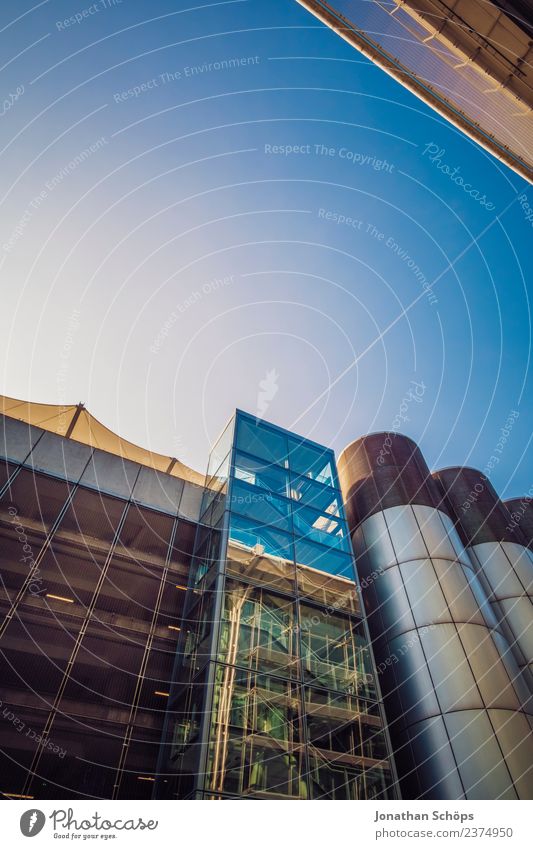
(274, 690)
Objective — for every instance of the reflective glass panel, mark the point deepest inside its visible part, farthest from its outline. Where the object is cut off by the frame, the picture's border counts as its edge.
(258, 630)
(262, 475)
(262, 441)
(311, 462)
(317, 495)
(260, 539)
(324, 559)
(260, 506)
(335, 653)
(256, 737)
(318, 527)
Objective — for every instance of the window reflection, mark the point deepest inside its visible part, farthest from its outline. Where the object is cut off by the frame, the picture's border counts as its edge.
(258, 630)
(310, 461)
(322, 528)
(256, 737)
(335, 653)
(259, 505)
(262, 475)
(262, 441)
(323, 559)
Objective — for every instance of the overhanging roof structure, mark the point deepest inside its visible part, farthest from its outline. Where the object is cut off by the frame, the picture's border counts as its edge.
(76, 422)
(471, 60)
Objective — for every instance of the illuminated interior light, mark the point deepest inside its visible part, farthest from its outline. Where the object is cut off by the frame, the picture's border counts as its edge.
(60, 598)
(180, 587)
(160, 693)
(174, 628)
(144, 778)
(17, 796)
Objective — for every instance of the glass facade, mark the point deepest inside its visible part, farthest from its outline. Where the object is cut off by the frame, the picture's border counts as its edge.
(95, 554)
(274, 692)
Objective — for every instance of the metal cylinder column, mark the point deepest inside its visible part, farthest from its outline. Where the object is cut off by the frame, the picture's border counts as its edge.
(498, 549)
(452, 691)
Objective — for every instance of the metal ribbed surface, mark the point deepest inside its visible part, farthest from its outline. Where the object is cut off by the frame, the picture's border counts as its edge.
(453, 692)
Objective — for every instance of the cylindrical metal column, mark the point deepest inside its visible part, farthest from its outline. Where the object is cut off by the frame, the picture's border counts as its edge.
(498, 549)
(521, 512)
(453, 693)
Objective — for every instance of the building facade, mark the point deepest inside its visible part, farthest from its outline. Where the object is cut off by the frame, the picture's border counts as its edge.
(275, 693)
(187, 636)
(95, 551)
(470, 60)
(450, 619)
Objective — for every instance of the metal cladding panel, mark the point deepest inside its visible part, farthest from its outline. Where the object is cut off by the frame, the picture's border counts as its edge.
(455, 582)
(426, 599)
(376, 545)
(479, 758)
(406, 682)
(435, 533)
(451, 673)
(387, 605)
(511, 736)
(407, 540)
(472, 502)
(521, 512)
(492, 678)
(518, 615)
(384, 470)
(522, 560)
(17, 438)
(498, 571)
(430, 768)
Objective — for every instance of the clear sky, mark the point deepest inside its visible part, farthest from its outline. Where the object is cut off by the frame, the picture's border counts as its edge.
(216, 205)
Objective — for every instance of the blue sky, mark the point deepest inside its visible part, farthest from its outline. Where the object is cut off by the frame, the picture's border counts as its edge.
(210, 206)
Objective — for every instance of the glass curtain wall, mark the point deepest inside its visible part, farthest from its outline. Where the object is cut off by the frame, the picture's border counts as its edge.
(274, 694)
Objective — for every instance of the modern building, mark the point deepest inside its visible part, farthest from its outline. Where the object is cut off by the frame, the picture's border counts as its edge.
(181, 635)
(450, 617)
(95, 551)
(470, 60)
(275, 692)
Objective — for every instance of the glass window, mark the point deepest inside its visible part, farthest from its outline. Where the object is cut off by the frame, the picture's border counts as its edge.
(327, 591)
(260, 506)
(318, 527)
(262, 441)
(221, 449)
(317, 495)
(324, 559)
(262, 569)
(343, 726)
(310, 461)
(260, 539)
(335, 652)
(258, 630)
(260, 474)
(256, 738)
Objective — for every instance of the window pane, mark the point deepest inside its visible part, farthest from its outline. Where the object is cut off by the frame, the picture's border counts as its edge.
(335, 653)
(310, 462)
(261, 441)
(221, 449)
(262, 475)
(258, 631)
(251, 536)
(324, 559)
(317, 527)
(256, 738)
(327, 591)
(317, 495)
(260, 506)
